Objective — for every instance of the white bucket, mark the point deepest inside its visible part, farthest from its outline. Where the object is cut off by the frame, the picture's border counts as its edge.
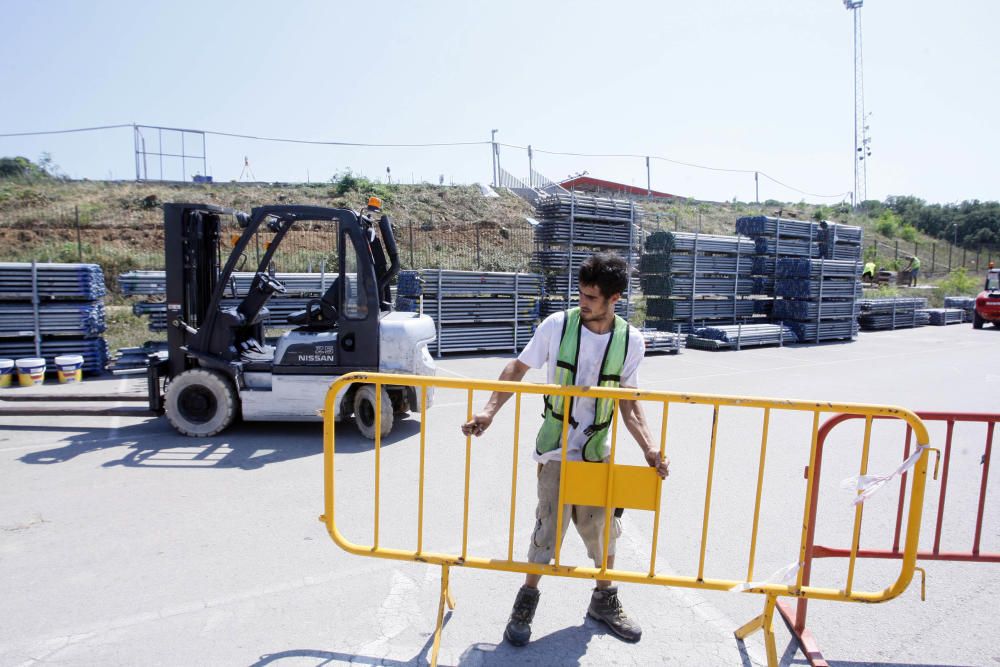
(30, 371)
(69, 368)
(6, 372)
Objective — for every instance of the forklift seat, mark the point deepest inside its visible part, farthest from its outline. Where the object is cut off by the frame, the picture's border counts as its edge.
(322, 311)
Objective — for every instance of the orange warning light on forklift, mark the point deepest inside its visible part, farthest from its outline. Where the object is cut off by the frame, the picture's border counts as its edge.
(234, 239)
(374, 203)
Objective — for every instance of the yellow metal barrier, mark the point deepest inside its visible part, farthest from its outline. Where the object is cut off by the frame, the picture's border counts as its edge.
(613, 485)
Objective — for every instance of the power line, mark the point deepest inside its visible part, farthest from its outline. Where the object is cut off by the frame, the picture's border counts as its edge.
(356, 144)
(78, 129)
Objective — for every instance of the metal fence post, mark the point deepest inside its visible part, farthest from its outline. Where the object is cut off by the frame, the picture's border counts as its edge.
(897, 251)
(79, 242)
(410, 225)
(963, 256)
(979, 251)
(949, 257)
(933, 254)
(478, 263)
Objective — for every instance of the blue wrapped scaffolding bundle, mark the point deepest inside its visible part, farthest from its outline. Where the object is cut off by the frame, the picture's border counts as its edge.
(19, 281)
(55, 318)
(816, 268)
(966, 303)
(799, 288)
(93, 350)
(682, 262)
(686, 286)
(824, 330)
(664, 241)
(797, 309)
(939, 317)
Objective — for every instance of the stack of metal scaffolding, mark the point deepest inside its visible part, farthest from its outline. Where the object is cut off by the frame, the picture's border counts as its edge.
(695, 279)
(154, 283)
(474, 310)
(813, 267)
(939, 317)
(739, 336)
(49, 310)
(21, 281)
(966, 303)
(571, 228)
(299, 289)
(821, 296)
(888, 314)
(661, 341)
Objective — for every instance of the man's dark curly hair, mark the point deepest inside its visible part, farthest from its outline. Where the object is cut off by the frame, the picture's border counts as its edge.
(606, 270)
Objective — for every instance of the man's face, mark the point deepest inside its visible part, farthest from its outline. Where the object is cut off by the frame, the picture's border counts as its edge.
(594, 306)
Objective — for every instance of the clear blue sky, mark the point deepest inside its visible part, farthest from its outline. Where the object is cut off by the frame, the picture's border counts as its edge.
(748, 85)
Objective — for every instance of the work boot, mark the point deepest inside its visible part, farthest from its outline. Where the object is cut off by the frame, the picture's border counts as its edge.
(518, 630)
(605, 606)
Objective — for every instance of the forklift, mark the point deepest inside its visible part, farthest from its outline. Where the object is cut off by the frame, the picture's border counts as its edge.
(219, 366)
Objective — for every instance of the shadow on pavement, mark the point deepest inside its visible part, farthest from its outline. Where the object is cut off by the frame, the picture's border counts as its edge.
(244, 446)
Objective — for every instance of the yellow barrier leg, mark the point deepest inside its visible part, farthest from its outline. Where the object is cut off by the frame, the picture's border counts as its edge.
(445, 599)
(763, 622)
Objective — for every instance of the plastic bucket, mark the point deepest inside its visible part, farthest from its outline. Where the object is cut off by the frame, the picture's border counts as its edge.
(69, 368)
(6, 372)
(30, 371)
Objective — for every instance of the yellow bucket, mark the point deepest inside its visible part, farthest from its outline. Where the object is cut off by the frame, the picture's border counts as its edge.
(69, 368)
(6, 372)
(30, 371)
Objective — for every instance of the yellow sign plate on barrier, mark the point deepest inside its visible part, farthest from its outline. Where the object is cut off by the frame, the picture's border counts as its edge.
(633, 487)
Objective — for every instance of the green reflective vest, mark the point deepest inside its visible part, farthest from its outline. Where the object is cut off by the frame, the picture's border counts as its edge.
(916, 263)
(550, 434)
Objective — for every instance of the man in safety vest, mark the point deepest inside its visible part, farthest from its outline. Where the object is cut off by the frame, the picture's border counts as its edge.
(914, 268)
(584, 346)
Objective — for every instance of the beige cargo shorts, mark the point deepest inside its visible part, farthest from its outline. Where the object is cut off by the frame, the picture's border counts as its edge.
(589, 521)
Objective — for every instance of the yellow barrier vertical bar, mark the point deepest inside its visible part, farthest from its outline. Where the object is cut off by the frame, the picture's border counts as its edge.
(858, 508)
(564, 444)
(610, 491)
(378, 455)
(659, 490)
(513, 480)
(420, 495)
(328, 478)
(810, 480)
(708, 493)
(468, 459)
(760, 485)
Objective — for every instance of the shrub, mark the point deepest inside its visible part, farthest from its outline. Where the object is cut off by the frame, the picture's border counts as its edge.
(958, 283)
(908, 233)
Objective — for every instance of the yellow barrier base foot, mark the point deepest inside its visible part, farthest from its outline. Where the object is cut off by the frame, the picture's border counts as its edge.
(445, 599)
(763, 622)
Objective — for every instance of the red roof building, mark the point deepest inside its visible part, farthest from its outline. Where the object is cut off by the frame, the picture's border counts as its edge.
(599, 186)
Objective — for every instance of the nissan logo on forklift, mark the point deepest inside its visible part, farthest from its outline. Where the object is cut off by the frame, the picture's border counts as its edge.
(220, 367)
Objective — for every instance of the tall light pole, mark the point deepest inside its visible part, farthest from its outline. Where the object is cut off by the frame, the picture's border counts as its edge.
(861, 140)
(493, 149)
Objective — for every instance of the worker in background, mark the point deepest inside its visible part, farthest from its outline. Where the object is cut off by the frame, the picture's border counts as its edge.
(914, 268)
(869, 272)
(584, 346)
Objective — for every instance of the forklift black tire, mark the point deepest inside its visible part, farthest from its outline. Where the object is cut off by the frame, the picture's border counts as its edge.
(200, 403)
(364, 411)
(977, 321)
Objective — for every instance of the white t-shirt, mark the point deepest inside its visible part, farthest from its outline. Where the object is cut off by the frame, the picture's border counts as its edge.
(544, 348)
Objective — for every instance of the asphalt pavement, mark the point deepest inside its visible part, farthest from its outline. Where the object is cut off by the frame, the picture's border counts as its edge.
(124, 543)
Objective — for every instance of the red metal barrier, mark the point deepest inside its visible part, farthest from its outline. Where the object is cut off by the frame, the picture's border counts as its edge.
(795, 618)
